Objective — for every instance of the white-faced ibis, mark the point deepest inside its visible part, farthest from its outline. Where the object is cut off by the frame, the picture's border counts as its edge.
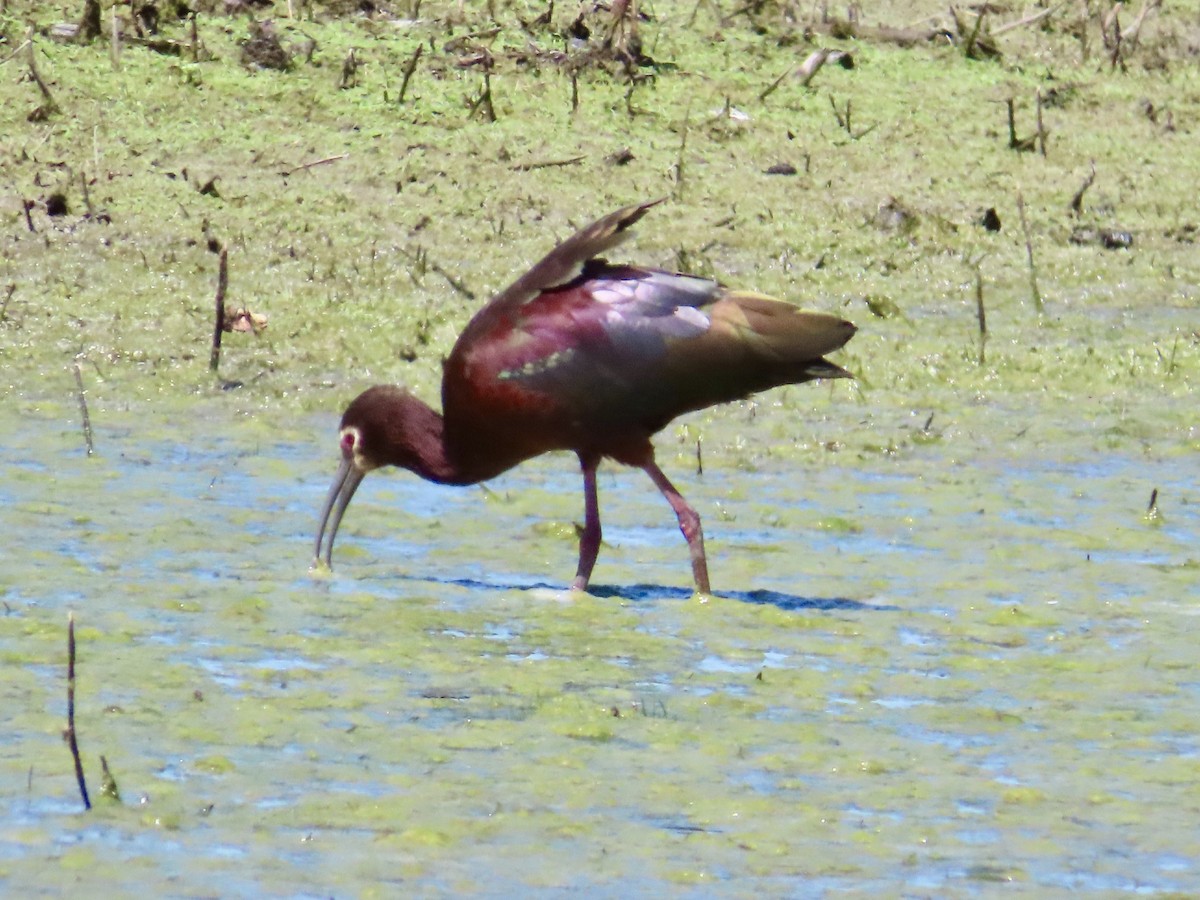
(581, 354)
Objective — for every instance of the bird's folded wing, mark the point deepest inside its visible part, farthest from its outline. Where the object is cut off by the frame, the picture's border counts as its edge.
(565, 262)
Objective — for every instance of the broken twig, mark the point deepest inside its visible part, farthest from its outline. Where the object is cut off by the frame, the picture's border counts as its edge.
(349, 77)
(1041, 128)
(1028, 20)
(72, 741)
(114, 46)
(483, 103)
(49, 106)
(810, 67)
(981, 316)
(770, 88)
(845, 121)
(1077, 200)
(548, 164)
(1035, 293)
(83, 409)
(214, 359)
(8, 295)
(1023, 145)
(314, 164)
(420, 259)
(408, 72)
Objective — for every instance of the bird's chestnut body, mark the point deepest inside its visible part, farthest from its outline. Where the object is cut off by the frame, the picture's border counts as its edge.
(582, 355)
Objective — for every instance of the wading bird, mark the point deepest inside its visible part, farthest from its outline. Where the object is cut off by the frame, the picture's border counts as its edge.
(581, 354)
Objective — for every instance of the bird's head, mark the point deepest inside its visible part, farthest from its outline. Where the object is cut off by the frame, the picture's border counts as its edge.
(361, 439)
(363, 435)
(383, 426)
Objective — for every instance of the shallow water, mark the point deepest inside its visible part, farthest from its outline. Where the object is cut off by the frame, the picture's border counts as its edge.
(951, 651)
(919, 676)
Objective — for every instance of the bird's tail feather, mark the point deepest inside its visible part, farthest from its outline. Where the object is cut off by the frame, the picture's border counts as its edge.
(781, 331)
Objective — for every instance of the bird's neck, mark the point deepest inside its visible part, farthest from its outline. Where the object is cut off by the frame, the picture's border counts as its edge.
(415, 438)
(401, 430)
(416, 441)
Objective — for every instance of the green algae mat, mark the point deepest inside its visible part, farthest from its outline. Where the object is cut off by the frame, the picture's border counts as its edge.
(950, 651)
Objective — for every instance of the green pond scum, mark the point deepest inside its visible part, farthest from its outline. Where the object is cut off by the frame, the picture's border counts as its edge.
(952, 649)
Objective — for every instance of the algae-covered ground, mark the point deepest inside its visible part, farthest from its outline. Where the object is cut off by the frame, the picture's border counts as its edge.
(951, 647)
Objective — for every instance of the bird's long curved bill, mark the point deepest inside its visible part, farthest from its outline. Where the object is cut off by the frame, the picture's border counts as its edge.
(341, 492)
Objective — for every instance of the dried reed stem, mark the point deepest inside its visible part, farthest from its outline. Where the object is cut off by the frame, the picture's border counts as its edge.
(83, 409)
(214, 359)
(72, 742)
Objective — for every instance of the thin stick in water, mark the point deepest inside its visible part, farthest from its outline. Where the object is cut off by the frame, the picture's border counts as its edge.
(981, 315)
(83, 409)
(214, 360)
(1033, 284)
(70, 735)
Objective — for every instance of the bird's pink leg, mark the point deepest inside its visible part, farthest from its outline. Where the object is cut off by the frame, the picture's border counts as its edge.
(689, 524)
(589, 541)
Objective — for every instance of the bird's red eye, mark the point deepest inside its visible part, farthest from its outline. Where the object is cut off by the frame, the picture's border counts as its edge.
(347, 442)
